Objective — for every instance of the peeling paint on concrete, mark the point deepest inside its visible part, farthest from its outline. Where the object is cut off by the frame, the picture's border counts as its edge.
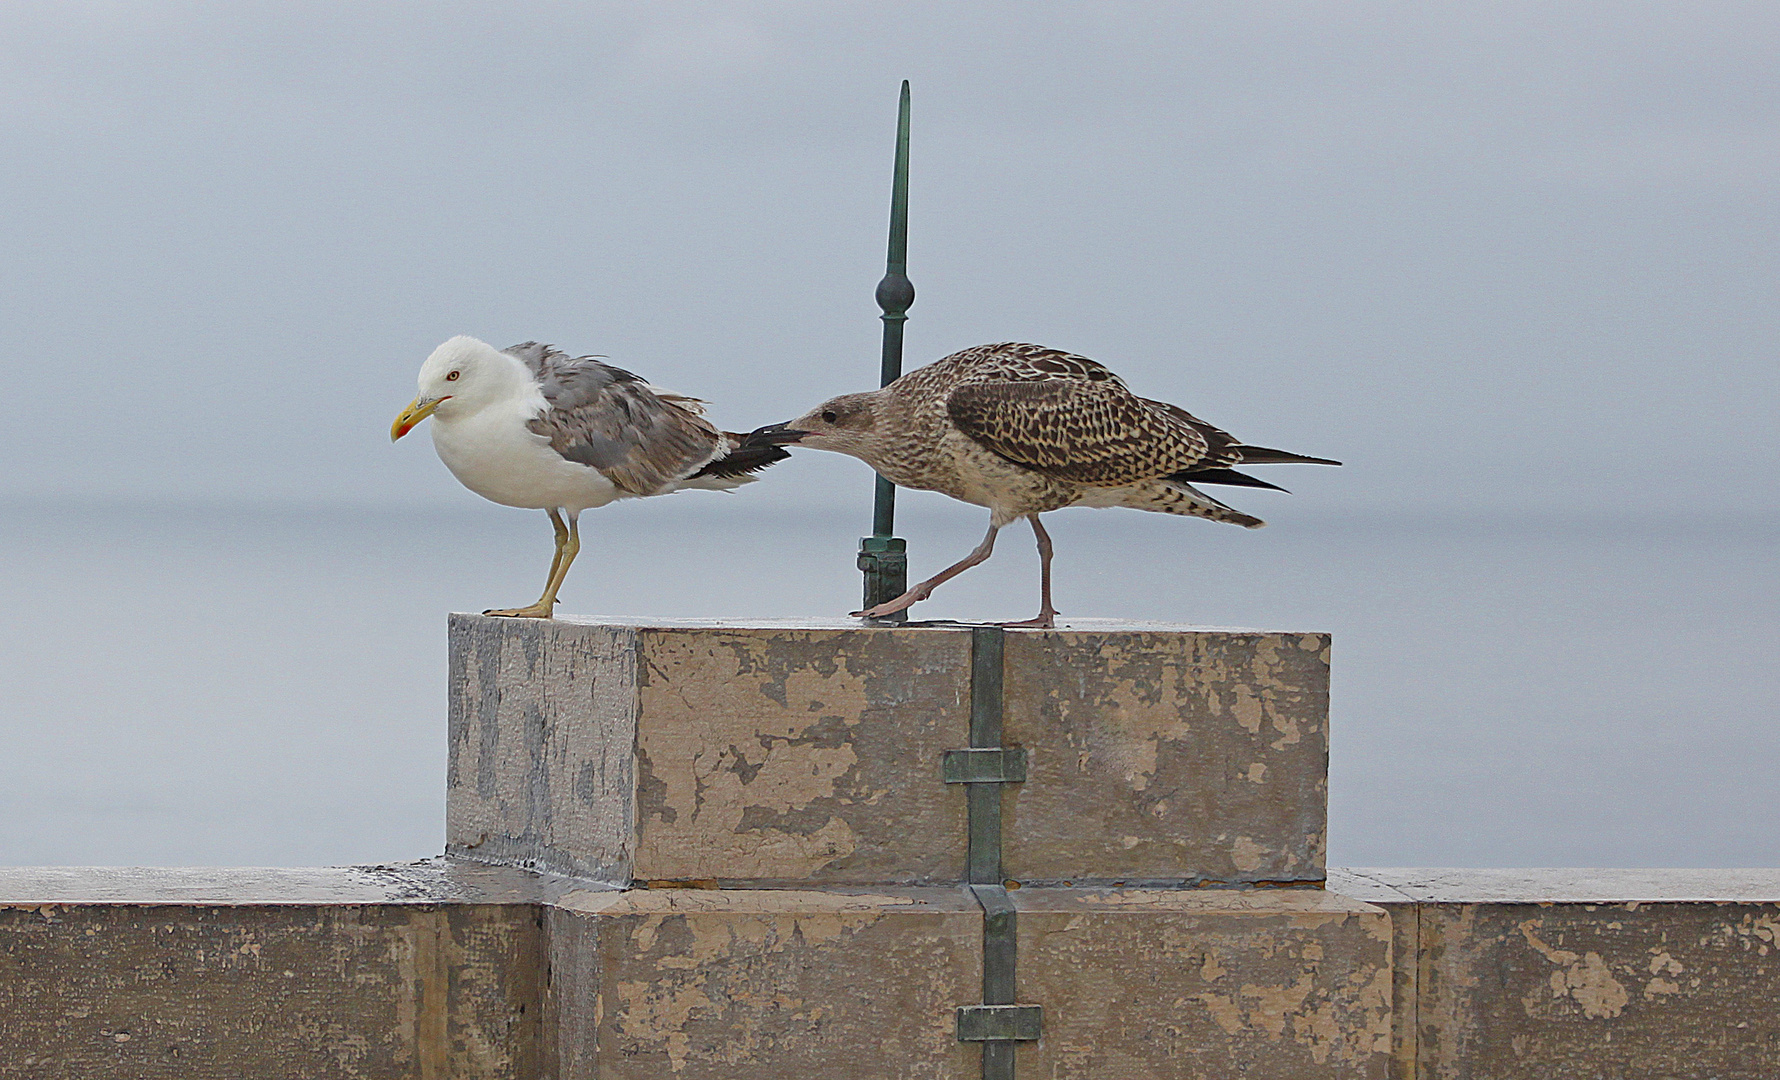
(809, 983)
(1208, 747)
(789, 755)
(220, 992)
(1247, 856)
(780, 753)
(644, 751)
(1288, 983)
(1532, 974)
(1584, 978)
(737, 788)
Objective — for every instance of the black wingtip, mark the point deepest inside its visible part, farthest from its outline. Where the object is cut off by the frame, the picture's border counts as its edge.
(1229, 477)
(744, 459)
(1266, 455)
(754, 451)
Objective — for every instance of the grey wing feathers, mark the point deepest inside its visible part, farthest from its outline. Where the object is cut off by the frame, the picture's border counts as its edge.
(568, 381)
(607, 418)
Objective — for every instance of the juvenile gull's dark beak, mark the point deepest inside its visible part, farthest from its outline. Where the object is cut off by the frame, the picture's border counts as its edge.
(774, 435)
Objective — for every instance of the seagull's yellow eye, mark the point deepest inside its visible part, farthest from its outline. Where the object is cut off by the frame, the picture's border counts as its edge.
(453, 376)
(828, 416)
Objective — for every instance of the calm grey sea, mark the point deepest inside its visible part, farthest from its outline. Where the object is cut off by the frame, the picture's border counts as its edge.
(236, 685)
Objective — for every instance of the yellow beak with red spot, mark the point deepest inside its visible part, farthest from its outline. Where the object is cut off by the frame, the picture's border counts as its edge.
(418, 409)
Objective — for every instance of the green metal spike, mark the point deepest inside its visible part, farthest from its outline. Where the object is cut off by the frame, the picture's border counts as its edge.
(883, 557)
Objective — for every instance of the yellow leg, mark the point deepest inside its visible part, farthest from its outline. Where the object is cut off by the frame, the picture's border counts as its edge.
(571, 547)
(562, 538)
(568, 544)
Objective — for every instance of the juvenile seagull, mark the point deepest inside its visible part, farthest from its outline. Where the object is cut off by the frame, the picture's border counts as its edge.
(1022, 430)
(533, 427)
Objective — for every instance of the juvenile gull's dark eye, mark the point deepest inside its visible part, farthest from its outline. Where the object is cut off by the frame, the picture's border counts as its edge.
(828, 416)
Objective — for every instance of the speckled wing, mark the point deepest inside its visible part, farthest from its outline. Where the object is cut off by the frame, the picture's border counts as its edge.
(1222, 449)
(611, 420)
(1078, 422)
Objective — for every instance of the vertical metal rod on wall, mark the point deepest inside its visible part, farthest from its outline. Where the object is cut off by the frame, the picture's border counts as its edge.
(883, 557)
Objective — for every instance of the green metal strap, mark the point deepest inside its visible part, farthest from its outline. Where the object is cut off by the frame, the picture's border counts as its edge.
(1000, 943)
(998, 1023)
(1000, 765)
(984, 799)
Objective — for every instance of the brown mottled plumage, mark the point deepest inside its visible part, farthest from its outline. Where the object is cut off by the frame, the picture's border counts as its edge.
(1023, 430)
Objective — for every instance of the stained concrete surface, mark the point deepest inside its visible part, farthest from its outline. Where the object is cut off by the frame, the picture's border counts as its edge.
(823, 984)
(1274, 984)
(437, 880)
(809, 751)
(450, 968)
(1580, 973)
(542, 736)
(298, 989)
(1167, 754)
(799, 752)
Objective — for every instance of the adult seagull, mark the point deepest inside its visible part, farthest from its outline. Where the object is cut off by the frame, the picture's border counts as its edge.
(1022, 430)
(533, 427)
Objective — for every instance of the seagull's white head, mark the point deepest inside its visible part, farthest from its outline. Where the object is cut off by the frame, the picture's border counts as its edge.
(462, 376)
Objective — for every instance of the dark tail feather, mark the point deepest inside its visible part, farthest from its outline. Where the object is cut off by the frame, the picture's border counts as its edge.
(1222, 476)
(1261, 455)
(749, 456)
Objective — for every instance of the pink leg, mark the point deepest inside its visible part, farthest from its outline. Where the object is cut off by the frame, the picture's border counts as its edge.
(1047, 615)
(925, 589)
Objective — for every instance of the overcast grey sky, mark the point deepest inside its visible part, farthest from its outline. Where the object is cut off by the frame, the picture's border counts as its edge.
(1494, 255)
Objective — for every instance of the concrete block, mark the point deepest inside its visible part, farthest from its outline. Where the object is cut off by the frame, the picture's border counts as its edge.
(638, 752)
(1167, 755)
(1583, 974)
(236, 984)
(813, 984)
(1142, 984)
(810, 752)
(452, 969)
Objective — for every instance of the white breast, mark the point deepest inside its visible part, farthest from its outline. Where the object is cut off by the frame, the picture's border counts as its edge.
(494, 454)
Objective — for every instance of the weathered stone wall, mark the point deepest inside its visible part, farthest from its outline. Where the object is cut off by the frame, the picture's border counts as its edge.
(1583, 974)
(1167, 755)
(542, 735)
(824, 984)
(810, 752)
(1175, 781)
(449, 969)
(452, 969)
(1271, 984)
(324, 974)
